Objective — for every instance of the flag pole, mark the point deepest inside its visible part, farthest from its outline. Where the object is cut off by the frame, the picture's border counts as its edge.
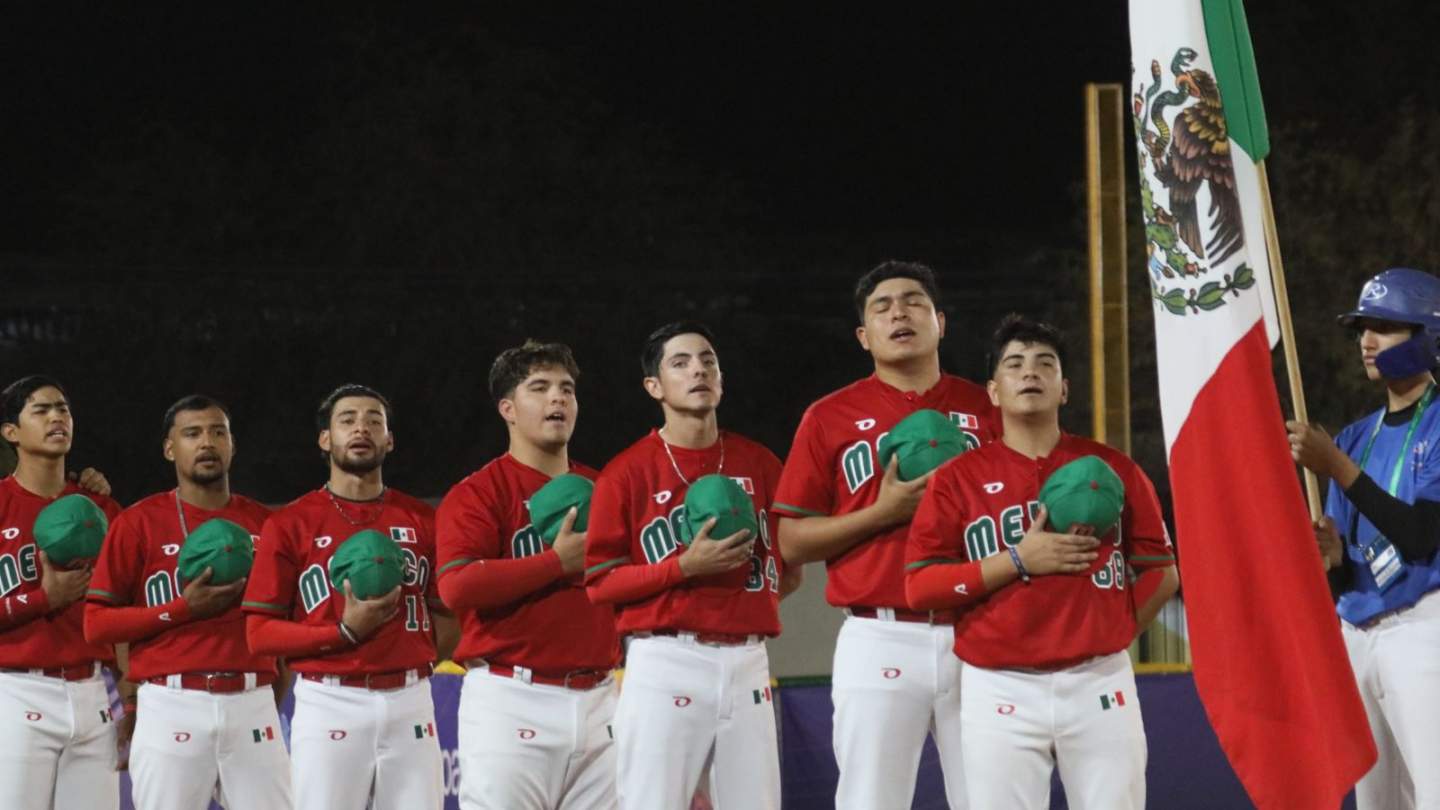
(1287, 329)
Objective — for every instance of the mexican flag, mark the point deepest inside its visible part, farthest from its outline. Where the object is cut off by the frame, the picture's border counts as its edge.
(1269, 661)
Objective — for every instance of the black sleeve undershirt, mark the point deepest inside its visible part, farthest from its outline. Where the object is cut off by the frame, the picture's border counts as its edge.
(1414, 529)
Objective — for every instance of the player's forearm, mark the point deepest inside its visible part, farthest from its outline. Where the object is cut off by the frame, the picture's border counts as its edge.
(624, 584)
(447, 635)
(267, 635)
(105, 624)
(943, 585)
(23, 609)
(1153, 588)
(812, 539)
(486, 584)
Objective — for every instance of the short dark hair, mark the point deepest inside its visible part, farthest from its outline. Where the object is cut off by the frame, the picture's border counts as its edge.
(895, 269)
(327, 405)
(654, 350)
(16, 394)
(190, 402)
(513, 365)
(1015, 327)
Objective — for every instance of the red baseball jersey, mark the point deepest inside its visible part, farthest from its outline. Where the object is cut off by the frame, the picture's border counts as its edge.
(291, 577)
(555, 629)
(55, 639)
(137, 567)
(834, 469)
(635, 519)
(981, 504)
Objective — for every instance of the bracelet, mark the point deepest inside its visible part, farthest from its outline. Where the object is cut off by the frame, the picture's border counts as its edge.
(1019, 566)
(348, 634)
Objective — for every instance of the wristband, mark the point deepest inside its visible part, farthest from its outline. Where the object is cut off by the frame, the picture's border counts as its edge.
(348, 634)
(1019, 566)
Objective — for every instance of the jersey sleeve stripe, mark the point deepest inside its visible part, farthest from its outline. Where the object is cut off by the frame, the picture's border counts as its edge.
(455, 563)
(796, 511)
(595, 569)
(1163, 558)
(105, 595)
(266, 606)
(933, 561)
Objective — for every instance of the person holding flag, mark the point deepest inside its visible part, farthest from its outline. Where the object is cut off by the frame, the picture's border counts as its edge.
(1381, 530)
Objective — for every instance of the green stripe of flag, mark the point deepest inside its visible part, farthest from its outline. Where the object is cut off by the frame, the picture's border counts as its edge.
(1234, 61)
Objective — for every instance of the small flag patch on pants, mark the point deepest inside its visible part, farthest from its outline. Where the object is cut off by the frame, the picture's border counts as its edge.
(1113, 699)
(262, 734)
(427, 730)
(761, 695)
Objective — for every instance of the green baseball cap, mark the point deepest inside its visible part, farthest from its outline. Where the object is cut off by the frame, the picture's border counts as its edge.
(923, 441)
(220, 545)
(550, 504)
(371, 561)
(70, 529)
(1085, 491)
(722, 498)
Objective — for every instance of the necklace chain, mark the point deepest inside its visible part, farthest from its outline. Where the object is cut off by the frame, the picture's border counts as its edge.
(378, 500)
(720, 469)
(180, 510)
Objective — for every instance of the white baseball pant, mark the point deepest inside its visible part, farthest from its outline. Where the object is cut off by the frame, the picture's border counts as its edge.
(349, 745)
(1019, 724)
(1397, 666)
(534, 746)
(893, 683)
(57, 744)
(685, 703)
(187, 742)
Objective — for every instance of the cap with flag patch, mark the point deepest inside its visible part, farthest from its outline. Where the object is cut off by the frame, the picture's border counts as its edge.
(70, 529)
(722, 498)
(371, 561)
(922, 441)
(550, 504)
(220, 545)
(1087, 492)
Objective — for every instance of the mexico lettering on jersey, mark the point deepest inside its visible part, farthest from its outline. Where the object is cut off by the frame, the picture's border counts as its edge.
(56, 639)
(982, 503)
(635, 519)
(291, 580)
(834, 469)
(555, 629)
(137, 568)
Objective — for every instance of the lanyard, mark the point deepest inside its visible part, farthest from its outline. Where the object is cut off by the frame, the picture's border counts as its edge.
(1399, 461)
(1409, 437)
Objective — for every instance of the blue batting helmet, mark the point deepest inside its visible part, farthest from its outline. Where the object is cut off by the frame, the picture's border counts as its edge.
(1402, 295)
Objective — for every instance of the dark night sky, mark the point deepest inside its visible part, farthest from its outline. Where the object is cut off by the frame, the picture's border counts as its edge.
(833, 119)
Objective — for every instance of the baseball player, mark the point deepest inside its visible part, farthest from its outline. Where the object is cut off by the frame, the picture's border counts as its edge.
(893, 679)
(57, 735)
(697, 679)
(1380, 532)
(538, 699)
(209, 715)
(364, 723)
(1043, 642)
